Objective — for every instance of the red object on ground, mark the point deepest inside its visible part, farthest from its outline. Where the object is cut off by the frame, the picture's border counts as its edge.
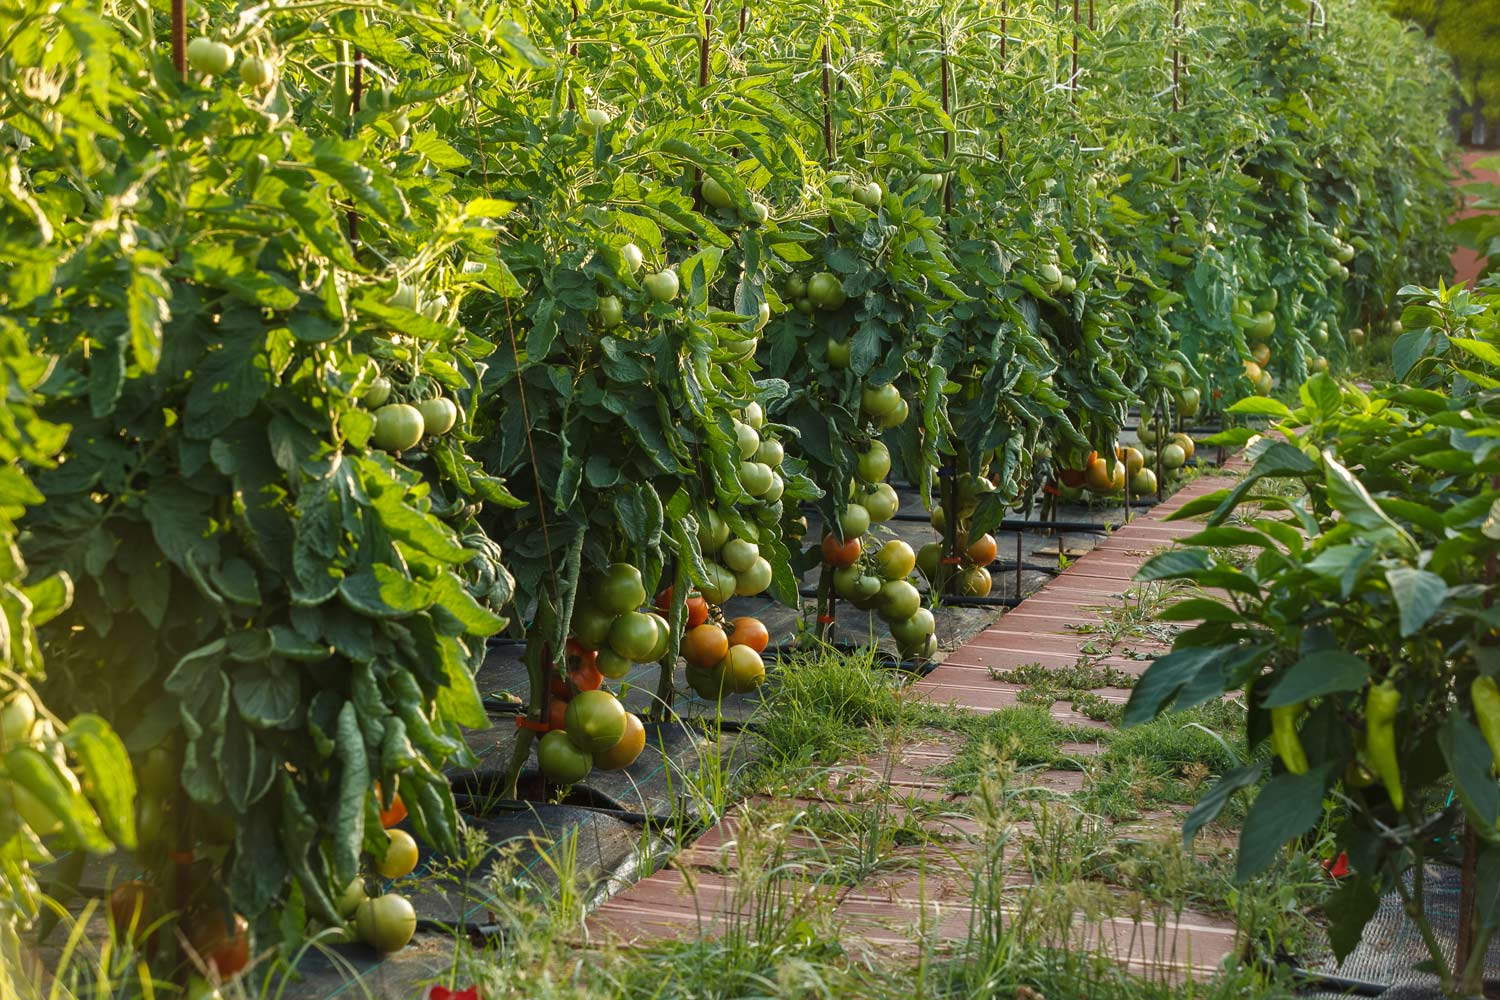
(1338, 867)
(435, 992)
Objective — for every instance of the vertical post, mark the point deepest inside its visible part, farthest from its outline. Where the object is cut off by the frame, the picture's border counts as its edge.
(1176, 84)
(828, 151)
(1019, 533)
(704, 43)
(1073, 80)
(744, 18)
(946, 82)
(179, 37)
(1004, 37)
(356, 94)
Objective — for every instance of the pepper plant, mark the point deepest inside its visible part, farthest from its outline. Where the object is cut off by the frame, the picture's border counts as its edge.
(1358, 627)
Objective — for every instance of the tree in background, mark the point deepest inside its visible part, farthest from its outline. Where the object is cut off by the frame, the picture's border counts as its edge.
(1469, 31)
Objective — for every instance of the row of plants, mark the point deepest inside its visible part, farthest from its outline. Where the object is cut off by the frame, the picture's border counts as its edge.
(380, 330)
(1359, 627)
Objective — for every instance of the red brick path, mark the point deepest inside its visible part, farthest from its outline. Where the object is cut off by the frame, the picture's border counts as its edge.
(927, 891)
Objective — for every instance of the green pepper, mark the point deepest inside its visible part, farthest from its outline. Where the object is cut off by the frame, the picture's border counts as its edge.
(1284, 738)
(1380, 738)
(1485, 694)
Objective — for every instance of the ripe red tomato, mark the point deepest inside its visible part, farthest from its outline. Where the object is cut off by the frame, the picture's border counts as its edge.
(840, 554)
(557, 710)
(750, 632)
(131, 910)
(224, 946)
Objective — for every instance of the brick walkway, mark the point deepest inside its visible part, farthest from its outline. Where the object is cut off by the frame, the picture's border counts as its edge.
(927, 892)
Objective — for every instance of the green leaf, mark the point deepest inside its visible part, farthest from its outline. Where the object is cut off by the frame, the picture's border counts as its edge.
(1418, 593)
(266, 694)
(384, 592)
(1324, 672)
(1213, 802)
(355, 781)
(1288, 806)
(1349, 908)
(1261, 406)
(1470, 762)
(1175, 564)
(1166, 676)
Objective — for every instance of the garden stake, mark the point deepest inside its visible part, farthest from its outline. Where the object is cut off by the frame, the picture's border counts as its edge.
(179, 37)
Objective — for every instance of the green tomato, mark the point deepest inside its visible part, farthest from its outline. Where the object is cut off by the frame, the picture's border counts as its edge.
(882, 503)
(770, 452)
(881, 400)
(754, 580)
(257, 72)
(591, 625)
(899, 600)
(838, 353)
(759, 214)
(1143, 482)
(875, 463)
(757, 478)
(854, 522)
(720, 583)
(929, 557)
(796, 287)
(754, 415)
(633, 257)
(895, 418)
(748, 440)
(595, 720)
(762, 316)
(611, 312)
(209, 57)
(1262, 325)
(739, 555)
(156, 774)
(438, 415)
(1050, 276)
(593, 120)
(895, 560)
(663, 285)
(400, 124)
(398, 427)
(804, 306)
(634, 636)
(826, 291)
(1188, 402)
(868, 195)
(350, 899)
(716, 194)
(713, 531)
(17, 718)
(612, 664)
(619, 589)
(912, 632)
(386, 923)
(378, 392)
(778, 486)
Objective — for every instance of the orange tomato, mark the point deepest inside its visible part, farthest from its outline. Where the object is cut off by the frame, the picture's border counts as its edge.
(750, 632)
(704, 646)
(556, 709)
(395, 814)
